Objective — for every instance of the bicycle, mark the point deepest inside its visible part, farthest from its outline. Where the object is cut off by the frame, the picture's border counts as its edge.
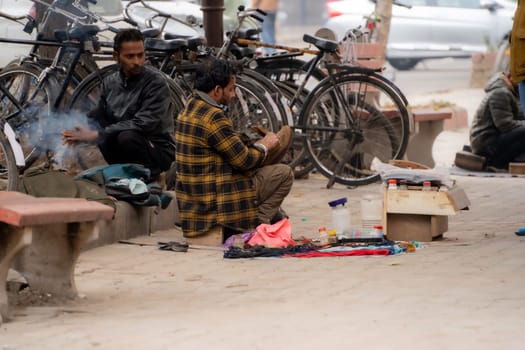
(351, 116)
(258, 100)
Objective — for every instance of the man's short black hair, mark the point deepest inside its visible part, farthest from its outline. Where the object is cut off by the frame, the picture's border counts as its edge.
(126, 35)
(212, 73)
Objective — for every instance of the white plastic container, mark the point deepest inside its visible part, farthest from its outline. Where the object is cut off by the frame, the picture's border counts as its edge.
(341, 221)
(341, 218)
(371, 212)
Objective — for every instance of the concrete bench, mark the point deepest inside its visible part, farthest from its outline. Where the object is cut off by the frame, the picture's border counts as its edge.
(428, 124)
(52, 232)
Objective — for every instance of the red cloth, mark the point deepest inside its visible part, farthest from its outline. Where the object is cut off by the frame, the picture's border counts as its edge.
(359, 252)
(278, 235)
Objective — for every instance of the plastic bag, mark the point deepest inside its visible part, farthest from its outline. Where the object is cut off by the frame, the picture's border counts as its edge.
(278, 235)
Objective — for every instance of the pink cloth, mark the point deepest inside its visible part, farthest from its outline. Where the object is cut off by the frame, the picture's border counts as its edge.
(278, 235)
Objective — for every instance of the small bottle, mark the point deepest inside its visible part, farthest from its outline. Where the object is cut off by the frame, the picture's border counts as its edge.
(323, 236)
(378, 231)
(332, 237)
(427, 186)
(392, 184)
(403, 185)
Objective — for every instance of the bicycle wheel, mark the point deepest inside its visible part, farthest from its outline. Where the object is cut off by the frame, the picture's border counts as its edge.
(273, 95)
(24, 104)
(297, 156)
(8, 168)
(348, 120)
(252, 106)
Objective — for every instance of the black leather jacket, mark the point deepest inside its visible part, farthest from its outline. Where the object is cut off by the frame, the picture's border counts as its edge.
(140, 103)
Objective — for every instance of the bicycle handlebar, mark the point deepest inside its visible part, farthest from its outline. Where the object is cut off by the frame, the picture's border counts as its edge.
(11, 17)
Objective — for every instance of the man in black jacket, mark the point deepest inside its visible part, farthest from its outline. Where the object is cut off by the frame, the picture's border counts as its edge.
(133, 114)
(498, 128)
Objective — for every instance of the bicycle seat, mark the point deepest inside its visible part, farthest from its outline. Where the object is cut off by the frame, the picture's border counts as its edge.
(193, 41)
(322, 44)
(248, 33)
(150, 32)
(165, 45)
(83, 32)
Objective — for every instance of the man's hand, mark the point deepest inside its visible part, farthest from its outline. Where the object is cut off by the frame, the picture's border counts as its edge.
(79, 134)
(270, 140)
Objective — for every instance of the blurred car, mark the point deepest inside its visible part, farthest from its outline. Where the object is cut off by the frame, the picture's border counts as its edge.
(13, 30)
(430, 28)
(185, 11)
(110, 9)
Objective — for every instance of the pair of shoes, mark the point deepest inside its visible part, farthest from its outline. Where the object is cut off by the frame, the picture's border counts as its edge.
(285, 136)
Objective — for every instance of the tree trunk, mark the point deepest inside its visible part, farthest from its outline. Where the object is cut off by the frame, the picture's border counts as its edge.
(384, 12)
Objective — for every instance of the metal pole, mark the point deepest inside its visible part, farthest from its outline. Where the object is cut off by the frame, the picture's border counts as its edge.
(212, 11)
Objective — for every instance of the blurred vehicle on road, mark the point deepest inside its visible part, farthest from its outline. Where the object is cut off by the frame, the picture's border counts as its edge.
(430, 28)
(110, 9)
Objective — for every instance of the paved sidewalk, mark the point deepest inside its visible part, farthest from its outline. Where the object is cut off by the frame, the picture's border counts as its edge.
(463, 292)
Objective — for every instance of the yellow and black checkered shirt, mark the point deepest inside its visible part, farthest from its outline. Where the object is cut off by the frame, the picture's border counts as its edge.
(214, 170)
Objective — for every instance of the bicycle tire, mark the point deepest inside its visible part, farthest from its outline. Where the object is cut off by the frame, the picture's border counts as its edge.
(8, 170)
(343, 149)
(253, 105)
(297, 155)
(274, 95)
(24, 104)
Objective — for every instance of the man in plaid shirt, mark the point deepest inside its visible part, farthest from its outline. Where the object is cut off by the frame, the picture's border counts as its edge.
(220, 179)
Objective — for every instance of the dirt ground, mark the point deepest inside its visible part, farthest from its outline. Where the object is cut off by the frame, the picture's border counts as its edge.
(465, 291)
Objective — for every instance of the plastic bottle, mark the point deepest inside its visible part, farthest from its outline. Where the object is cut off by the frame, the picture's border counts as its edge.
(340, 218)
(332, 237)
(323, 236)
(378, 231)
(392, 184)
(403, 185)
(427, 186)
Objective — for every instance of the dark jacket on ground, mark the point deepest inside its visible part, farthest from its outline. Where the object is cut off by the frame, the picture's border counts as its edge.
(498, 113)
(140, 103)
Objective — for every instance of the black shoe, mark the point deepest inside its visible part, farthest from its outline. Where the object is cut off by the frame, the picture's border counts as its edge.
(281, 214)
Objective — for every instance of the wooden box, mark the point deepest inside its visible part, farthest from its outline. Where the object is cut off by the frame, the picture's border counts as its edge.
(419, 215)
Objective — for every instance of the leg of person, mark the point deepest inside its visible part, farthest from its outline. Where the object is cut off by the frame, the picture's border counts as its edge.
(272, 185)
(509, 147)
(521, 91)
(132, 147)
(268, 30)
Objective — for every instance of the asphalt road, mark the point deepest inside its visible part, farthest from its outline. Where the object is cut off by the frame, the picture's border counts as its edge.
(438, 75)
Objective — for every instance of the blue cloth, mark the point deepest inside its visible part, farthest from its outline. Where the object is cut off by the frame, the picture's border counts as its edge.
(521, 91)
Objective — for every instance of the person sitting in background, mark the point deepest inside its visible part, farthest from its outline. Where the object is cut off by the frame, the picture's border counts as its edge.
(498, 128)
(133, 116)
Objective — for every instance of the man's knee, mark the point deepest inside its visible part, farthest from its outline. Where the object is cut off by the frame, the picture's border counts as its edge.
(285, 173)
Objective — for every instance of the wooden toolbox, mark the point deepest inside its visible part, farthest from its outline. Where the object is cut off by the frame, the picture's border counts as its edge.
(414, 214)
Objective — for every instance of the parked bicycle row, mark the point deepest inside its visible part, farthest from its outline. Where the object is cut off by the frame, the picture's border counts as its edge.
(342, 115)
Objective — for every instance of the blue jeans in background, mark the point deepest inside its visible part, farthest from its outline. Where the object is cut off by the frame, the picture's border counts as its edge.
(521, 91)
(268, 30)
